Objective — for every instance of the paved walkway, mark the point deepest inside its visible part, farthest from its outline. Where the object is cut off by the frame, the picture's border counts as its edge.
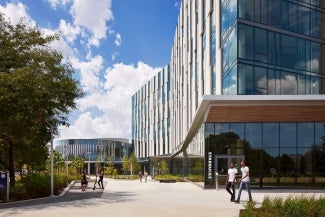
(126, 198)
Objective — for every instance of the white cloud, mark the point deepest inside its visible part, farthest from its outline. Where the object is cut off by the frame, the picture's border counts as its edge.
(16, 12)
(92, 15)
(69, 32)
(114, 55)
(89, 72)
(55, 3)
(118, 40)
(114, 104)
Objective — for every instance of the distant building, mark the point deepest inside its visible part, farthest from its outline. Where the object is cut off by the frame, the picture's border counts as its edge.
(246, 81)
(95, 151)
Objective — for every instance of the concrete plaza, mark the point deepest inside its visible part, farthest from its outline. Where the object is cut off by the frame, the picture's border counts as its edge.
(125, 198)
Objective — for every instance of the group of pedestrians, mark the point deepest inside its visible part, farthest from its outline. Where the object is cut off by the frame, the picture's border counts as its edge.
(244, 181)
(99, 180)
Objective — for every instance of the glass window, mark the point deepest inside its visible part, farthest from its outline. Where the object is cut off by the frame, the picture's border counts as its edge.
(253, 134)
(315, 56)
(308, 56)
(274, 13)
(301, 84)
(292, 13)
(303, 24)
(261, 45)
(289, 84)
(237, 128)
(289, 51)
(319, 134)
(315, 85)
(314, 16)
(232, 81)
(271, 80)
(221, 128)
(225, 85)
(246, 42)
(288, 135)
(271, 135)
(232, 46)
(301, 54)
(285, 15)
(305, 134)
(287, 161)
(271, 47)
(246, 9)
(245, 79)
(264, 11)
(209, 129)
(257, 11)
(260, 80)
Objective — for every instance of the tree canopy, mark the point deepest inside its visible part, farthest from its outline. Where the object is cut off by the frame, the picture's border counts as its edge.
(37, 92)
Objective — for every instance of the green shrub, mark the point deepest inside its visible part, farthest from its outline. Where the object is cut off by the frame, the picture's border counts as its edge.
(290, 207)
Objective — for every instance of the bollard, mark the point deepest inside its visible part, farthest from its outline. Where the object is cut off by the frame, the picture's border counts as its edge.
(217, 181)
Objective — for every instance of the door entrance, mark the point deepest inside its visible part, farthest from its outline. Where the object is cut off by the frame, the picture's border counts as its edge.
(221, 166)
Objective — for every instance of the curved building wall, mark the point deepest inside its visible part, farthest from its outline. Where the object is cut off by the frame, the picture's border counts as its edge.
(95, 150)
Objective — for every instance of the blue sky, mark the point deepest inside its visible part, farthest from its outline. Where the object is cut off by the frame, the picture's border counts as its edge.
(115, 46)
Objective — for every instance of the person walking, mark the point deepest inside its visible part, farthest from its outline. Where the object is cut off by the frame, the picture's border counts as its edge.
(83, 180)
(101, 178)
(140, 175)
(231, 181)
(244, 181)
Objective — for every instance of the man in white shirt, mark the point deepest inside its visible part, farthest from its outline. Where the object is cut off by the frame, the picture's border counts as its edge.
(244, 181)
(231, 180)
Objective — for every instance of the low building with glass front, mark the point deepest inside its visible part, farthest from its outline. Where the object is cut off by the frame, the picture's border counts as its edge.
(247, 81)
(95, 151)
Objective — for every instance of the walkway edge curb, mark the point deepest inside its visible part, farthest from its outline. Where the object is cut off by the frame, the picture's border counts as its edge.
(66, 189)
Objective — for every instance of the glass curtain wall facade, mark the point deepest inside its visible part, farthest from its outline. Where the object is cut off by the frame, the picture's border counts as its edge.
(151, 116)
(273, 47)
(95, 150)
(229, 48)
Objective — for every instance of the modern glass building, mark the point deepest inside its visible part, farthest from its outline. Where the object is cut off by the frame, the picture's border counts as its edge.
(95, 151)
(247, 81)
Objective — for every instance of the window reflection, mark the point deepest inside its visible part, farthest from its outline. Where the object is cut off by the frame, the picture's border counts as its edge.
(288, 135)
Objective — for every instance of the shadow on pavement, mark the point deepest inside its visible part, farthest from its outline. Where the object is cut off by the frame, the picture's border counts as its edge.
(74, 197)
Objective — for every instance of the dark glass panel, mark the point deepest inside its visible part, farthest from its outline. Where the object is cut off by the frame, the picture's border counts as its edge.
(238, 129)
(246, 9)
(253, 134)
(320, 135)
(271, 82)
(315, 85)
(246, 79)
(288, 135)
(305, 134)
(315, 57)
(221, 128)
(303, 20)
(301, 54)
(292, 12)
(274, 7)
(315, 18)
(208, 130)
(301, 84)
(261, 45)
(289, 51)
(271, 47)
(245, 42)
(261, 80)
(271, 135)
(287, 160)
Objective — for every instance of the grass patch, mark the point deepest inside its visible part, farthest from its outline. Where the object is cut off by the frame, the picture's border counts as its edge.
(289, 207)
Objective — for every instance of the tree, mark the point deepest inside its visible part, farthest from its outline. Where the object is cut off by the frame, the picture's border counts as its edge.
(129, 162)
(110, 167)
(37, 92)
(78, 163)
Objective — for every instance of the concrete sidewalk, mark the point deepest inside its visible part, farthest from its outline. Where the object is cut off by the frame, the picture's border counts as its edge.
(126, 198)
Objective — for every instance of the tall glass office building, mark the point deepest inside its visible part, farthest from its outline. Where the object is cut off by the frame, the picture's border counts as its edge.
(247, 81)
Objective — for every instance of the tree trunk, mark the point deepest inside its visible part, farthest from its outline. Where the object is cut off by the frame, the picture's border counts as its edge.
(11, 164)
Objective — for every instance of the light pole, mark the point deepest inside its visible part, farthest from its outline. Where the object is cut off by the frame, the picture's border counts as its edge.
(89, 163)
(51, 158)
(67, 165)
